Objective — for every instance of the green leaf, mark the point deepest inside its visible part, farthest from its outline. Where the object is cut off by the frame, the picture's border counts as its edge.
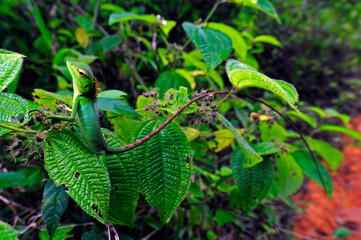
(252, 158)
(266, 148)
(124, 127)
(45, 33)
(289, 175)
(60, 233)
(341, 232)
(110, 42)
(51, 100)
(164, 166)
(168, 80)
(116, 106)
(242, 76)
(128, 16)
(175, 99)
(330, 154)
(113, 94)
(85, 23)
(254, 182)
(214, 45)
(305, 161)
(11, 179)
(111, 7)
(7, 232)
(55, 202)
(262, 5)
(167, 26)
(124, 182)
(224, 217)
(10, 65)
(13, 110)
(340, 129)
(238, 43)
(268, 39)
(308, 119)
(272, 131)
(187, 75)
(319, 111)
(333, 113)
(69, 162)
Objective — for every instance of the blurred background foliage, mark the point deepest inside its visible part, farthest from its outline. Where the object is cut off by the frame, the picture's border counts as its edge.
(316, 47)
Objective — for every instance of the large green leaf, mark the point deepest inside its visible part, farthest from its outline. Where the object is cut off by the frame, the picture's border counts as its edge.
(262, 5)
(214, 45)
(305, 161)
(51, 99)
(55, 202)
(308, 119)
(242, 76)
(238, 43)
(164, 166)
(272, 131)
(124, 126)
(254, 182)
(7, 232)
(11, 179)
(116, 106)
(330, 154)
(123, 175)
(168, 80)
(128, 16)
(289, 175)
(10, 65)
(340, 129)
(252, 158)
(69, 162)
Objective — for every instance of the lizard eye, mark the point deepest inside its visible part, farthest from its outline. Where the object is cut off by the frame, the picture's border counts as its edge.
(82, 72)
(86, 86)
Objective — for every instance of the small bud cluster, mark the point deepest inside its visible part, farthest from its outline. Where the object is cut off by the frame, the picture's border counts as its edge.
(25, 148)
(152, 106)
(207, 111)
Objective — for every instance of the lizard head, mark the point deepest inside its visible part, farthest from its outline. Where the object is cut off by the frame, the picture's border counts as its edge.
(83, 78)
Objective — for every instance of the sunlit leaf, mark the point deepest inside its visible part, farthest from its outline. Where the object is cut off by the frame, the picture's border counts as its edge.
(116, 106)
(10, 65)
(242, 76)
(167, 26)
(308, 119)
(82, 37)
(7, 232)
(49, 99)
(224, 217)
(168, 80)
(340, 129)
(128, 16)
(268, 39)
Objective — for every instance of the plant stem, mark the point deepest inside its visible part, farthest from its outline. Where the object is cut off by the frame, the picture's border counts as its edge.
(225, 98)
(146, 138)
(17, 129)
(214, 8)
(96, 13)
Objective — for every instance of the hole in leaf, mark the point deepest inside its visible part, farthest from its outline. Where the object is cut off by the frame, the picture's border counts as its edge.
(256, 186)
(66, 188)
(20, 117)
(115, 187)
(188, 160)
(36, 96)
(77, 175)
(250, 169)
(48, 142)
(294, 175)
(165, 213)
(254, 198)
(95, 208)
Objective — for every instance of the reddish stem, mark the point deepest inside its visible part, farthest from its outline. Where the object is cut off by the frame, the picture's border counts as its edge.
(146, 138)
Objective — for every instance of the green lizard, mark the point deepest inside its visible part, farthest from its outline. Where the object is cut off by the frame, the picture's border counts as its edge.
(85, 110)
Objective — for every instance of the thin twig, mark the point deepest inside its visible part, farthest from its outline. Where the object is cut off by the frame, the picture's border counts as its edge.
(150, 234)
(294, 234)
(296, 129)
(12, 203)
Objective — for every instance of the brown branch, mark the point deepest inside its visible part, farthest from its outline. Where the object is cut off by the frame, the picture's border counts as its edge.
(146, 138)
